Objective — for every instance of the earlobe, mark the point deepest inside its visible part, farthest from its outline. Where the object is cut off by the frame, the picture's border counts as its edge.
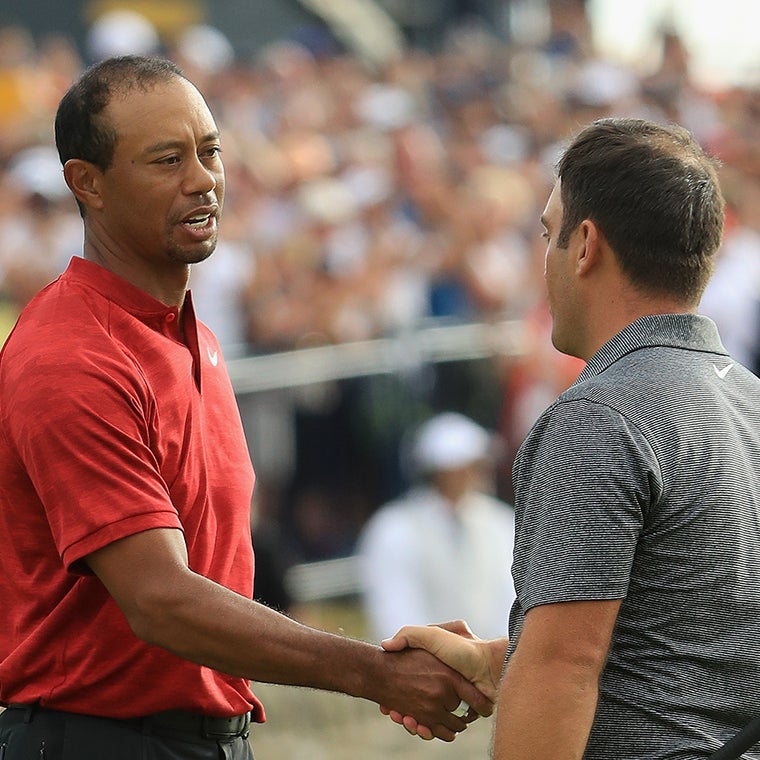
(83, 179)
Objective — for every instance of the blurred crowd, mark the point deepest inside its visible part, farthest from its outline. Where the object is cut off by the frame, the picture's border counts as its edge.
(364, 200)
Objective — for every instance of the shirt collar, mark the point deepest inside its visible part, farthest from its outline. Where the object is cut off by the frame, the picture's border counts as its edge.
(129, 297)
(689, 331)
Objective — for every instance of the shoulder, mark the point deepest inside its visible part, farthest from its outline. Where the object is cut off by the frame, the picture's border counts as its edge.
(584, 431)
(62, 346)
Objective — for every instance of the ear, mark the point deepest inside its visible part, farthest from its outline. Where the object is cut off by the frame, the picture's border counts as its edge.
(589, 247)
(84, 180)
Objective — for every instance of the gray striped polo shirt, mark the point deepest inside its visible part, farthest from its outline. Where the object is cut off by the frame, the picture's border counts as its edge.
(642, 483)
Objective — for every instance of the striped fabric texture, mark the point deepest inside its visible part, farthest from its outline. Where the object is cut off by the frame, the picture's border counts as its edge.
(642, 483)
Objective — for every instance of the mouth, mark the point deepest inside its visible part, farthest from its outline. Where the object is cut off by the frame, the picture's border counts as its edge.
(196, 222)
(201, 224)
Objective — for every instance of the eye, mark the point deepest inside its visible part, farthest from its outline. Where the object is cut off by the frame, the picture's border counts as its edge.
(169, 160)
(213, 152)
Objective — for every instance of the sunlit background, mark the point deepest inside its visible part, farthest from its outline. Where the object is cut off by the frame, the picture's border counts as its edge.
(380, 257)
(722, 36)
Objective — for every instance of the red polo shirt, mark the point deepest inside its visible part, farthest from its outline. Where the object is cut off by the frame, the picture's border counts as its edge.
(111, 424)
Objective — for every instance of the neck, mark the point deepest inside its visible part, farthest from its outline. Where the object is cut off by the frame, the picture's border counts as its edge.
(166, 284)
(610, 322)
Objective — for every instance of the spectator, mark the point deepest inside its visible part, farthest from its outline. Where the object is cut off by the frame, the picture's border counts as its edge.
(443, 549)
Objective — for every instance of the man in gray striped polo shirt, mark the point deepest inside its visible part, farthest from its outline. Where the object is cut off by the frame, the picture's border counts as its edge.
(636, 632)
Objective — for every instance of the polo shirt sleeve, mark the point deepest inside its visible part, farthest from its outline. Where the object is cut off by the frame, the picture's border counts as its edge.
(82, 423)
(584, 479)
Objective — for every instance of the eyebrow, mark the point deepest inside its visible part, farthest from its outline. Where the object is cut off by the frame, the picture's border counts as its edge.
(174, 144)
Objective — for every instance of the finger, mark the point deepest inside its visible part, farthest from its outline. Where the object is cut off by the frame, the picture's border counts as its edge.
(416, 729)
(477, 701)
(412, 727)
(425, 733)
(384, 710)
(444, 733)
(398, 641)
(461, 709)
(428, 637)
(459, 627)
(452, 723)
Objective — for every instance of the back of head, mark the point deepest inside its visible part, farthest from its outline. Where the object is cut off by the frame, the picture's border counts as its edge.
(655, 196)
(80, 129)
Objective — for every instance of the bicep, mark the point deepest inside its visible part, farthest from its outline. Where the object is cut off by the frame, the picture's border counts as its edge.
(575, 633)
(142, 569)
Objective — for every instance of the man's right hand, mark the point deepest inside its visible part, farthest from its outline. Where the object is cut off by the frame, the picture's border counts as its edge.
(479, 661)
(419, 685)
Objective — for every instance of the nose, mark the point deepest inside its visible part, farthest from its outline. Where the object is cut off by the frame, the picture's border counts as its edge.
(199, 178)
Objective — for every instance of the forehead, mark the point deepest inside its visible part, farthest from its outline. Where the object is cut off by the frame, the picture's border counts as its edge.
(170, 106)
(554, 203)
(553, 210)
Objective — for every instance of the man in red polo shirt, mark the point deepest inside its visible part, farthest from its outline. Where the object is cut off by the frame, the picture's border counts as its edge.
(126, 576)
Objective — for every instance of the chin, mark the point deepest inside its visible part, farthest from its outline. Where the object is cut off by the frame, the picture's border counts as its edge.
(563, 345)
(196, 254)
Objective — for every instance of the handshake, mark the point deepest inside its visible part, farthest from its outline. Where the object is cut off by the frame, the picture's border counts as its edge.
(479, 661)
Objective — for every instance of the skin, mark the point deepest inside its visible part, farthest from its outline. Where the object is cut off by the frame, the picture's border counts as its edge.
(454, 483)
(480, 660)
(136, 220)
(548, 694)
(137, 210)
(590, 298)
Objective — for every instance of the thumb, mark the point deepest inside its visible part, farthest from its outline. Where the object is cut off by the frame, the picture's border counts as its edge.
(427, 636)
(459, 627)
(398, 642)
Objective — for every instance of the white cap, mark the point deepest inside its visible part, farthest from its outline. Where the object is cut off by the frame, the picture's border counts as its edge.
(207, 48)
(449, 441)
(38, 170)
(122, 32)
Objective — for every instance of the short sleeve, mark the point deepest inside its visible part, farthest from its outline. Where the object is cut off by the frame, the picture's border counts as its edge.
(584, 483)
(81, 425)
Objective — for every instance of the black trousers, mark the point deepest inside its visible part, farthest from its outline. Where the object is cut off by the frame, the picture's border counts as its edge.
(33, 733)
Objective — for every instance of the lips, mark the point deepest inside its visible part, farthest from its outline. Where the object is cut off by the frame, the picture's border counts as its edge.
(198, 221)
(201, 214)
(201, 222)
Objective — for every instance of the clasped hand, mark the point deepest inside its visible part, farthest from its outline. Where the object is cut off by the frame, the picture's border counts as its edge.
(479, 661)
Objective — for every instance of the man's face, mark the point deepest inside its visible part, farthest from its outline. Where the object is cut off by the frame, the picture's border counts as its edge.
(163, 193)
(559, 278)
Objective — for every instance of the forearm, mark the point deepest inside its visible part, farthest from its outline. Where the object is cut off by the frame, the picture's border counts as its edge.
(545, 710)
(170, 606)
(208, 624)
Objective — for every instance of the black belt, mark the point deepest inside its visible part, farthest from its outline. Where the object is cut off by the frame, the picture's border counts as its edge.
(183, 722)
(188, 723)
(175, 722)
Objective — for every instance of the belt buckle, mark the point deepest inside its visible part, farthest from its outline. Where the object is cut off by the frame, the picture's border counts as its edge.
(240, 730)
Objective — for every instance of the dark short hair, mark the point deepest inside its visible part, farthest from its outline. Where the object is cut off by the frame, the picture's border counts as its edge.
(655, 196)
(80, 130)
